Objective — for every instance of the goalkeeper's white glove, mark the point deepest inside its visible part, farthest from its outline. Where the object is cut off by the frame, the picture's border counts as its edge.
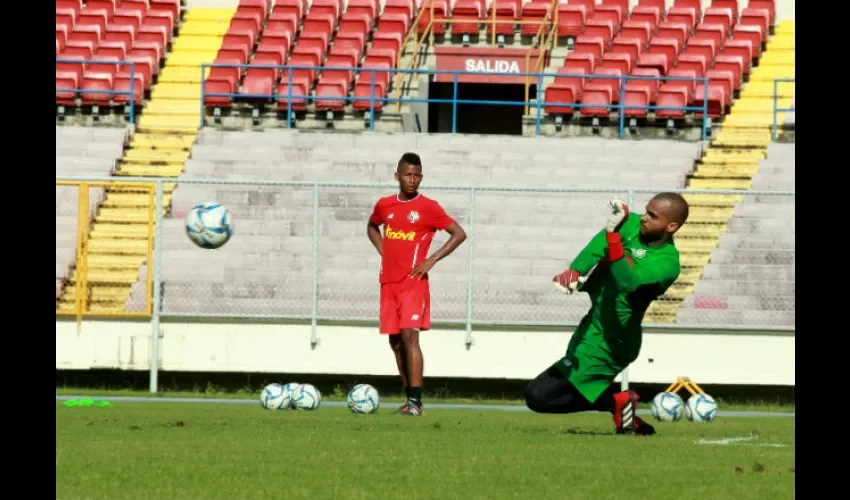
(568, 281)
(619, 214)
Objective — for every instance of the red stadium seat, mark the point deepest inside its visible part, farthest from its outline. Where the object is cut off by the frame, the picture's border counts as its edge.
(507, 12)
(441, 8)
(564, 91)
(636, 95)
(673, 98)
(534, 12)
(571, 20)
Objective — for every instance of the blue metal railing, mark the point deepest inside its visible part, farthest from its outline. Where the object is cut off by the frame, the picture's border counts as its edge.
(454, 101)
(130, 93)
(777, 110)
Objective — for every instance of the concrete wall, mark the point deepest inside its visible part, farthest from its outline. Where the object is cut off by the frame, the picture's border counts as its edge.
(728, 358)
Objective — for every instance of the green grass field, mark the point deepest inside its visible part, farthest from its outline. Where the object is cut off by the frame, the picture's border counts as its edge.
(211, 451)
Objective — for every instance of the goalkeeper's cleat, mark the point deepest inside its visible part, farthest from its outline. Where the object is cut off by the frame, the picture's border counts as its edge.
(625, 405)
(411, 409)
(642, 428)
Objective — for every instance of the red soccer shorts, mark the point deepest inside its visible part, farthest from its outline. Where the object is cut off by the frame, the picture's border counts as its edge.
(406, 304)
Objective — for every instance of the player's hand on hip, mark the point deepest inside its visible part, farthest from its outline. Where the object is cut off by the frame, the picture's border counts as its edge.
(421, 271)
(567, 282)
(619, 214)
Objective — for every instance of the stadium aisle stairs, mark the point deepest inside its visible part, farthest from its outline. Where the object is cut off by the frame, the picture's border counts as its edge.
(167, 129)
(730, 162)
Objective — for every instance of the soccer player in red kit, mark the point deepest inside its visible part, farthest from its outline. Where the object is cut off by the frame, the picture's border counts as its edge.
(410, 220)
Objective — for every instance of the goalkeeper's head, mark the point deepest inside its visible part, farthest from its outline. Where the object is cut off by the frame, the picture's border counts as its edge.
(665, 214)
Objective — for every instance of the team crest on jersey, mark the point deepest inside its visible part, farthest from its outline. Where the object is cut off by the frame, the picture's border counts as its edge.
(639, 253)
(413, 216)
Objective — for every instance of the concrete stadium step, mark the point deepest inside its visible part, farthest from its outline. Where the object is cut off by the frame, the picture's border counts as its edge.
(711, 200)
(764, 90)
(111, 231)
(691, 230)
(728, 154)
(720, 184)
(169, 124)
(192, 59)
(122, 214)
(127, 200)
(176, 91)
(742, 138)
(148, 156)
(124, 246)
(163, 141)
(776, 56)
(690, 275)
(696, 244)
(207, 14)
(183, 74)
(785, 27)
(106, 261)
(190, 107)
(196, 43)
(695, 259)
(98, 293)
(119, 276)
(710, 172)
(205, 27)
(142, 170)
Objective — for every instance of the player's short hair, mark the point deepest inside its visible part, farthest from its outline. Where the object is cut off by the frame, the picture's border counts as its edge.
(679, 206)
(410, 159)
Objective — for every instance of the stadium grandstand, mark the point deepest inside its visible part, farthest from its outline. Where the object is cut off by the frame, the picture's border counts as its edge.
(335, 90)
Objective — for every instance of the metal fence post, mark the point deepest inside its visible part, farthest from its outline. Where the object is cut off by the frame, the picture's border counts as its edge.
(624, 381)
(156, 269)
(314, 338)
(469, 288)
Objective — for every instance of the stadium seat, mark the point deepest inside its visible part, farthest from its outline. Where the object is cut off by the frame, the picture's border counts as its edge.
(121, 32)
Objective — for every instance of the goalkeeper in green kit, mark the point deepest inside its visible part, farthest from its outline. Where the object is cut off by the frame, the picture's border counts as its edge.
(635, 262)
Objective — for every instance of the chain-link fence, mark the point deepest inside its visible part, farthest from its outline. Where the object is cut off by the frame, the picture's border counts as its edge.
(301, 249)
(104, 242)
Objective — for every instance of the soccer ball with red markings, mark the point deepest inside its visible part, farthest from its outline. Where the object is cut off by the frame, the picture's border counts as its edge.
(209, 225)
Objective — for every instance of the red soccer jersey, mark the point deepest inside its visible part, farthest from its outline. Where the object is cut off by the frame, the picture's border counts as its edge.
(409, 227)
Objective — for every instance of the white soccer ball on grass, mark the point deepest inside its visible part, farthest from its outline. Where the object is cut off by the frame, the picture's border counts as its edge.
(275, 397)
(306, 397)
(363, 398)
(667, 407)
(701, 408)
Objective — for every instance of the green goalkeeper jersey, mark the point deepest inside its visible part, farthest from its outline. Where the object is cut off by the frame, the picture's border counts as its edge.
(608, 338)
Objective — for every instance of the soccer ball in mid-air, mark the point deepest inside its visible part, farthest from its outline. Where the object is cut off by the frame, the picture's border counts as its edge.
(701, 408)
(209, 225)
(275, 397)
(667, 407)
(306, 397)
(363, 398)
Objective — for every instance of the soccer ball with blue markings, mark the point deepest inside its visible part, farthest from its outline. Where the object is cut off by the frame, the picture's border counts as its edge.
(363, 398)
(276, 397)
(306, 397)
(209, 225)
(701, 408)
(667, 407)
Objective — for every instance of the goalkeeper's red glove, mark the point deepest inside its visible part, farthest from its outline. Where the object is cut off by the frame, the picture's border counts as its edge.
(568, 281)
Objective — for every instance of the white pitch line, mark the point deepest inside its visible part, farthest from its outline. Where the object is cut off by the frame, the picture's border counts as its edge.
(742, 439)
